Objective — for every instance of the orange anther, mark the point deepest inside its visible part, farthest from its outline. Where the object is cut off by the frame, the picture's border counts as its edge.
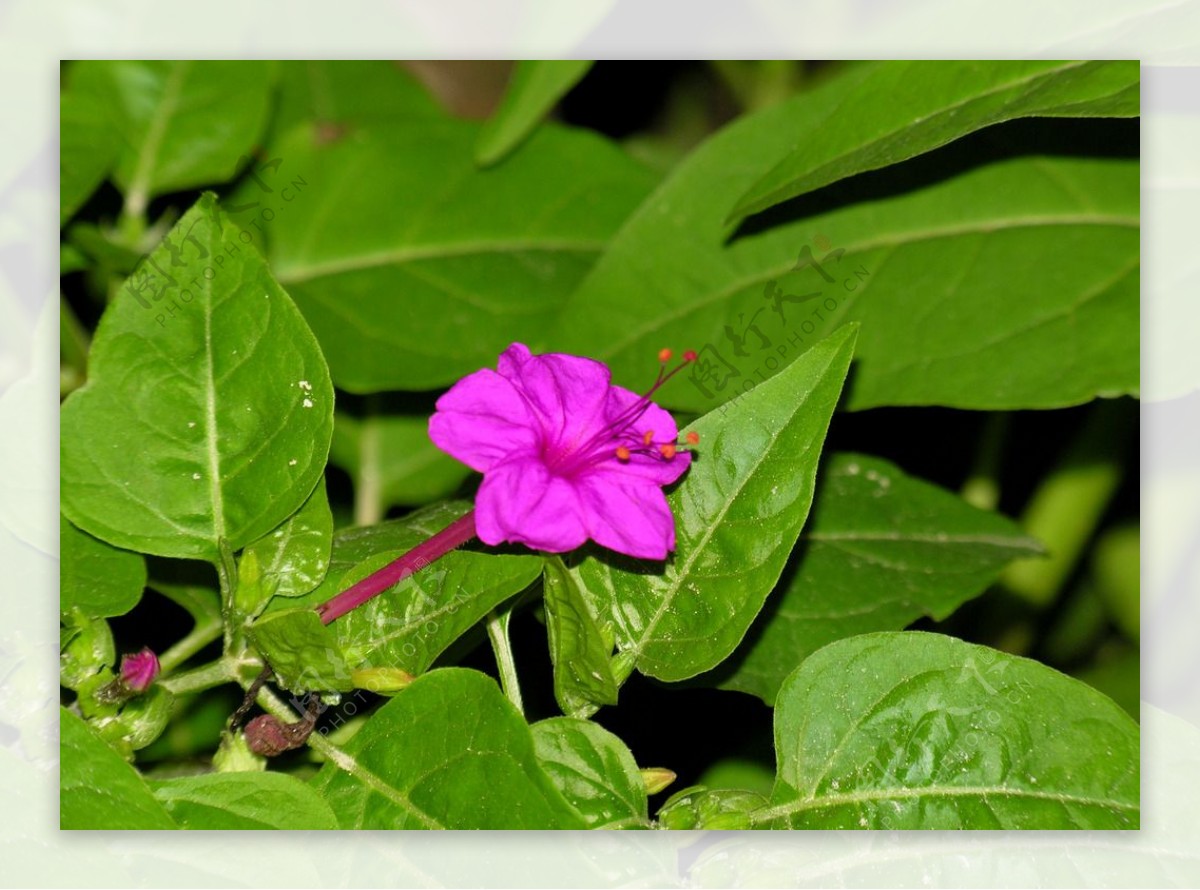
(690, 355)
(667, 450)
(622, 453)
(647, 437)
(693, 438)
(664, 355)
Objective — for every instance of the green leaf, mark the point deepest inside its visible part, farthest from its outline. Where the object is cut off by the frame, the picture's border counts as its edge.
(392, 459)
(87, 149)
(1116, 568)
(408, 626)
(97, 788)
(594, 771)
(1011, 285)
(246, 800)
(448, 752)
(343, 93)
(580, 650)
(535, 88)
(99, 580)
(916, 730)
(738, 512)
(184, 123)
(210, 422)
(414, 267)
(303, 652)
(886, 113)
(291, 560)
(880, 550)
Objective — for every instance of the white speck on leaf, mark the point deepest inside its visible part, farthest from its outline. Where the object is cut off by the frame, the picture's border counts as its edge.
(292, 462)
(195, 475)
(306, 386)
(308, 403)
(191, 423)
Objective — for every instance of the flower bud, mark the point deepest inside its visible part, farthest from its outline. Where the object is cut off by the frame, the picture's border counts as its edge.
(139, 670)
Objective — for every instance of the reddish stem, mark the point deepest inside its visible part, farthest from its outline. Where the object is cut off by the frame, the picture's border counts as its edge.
(458, 532)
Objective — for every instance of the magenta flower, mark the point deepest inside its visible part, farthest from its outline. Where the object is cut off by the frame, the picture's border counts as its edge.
(565, 455)
(139, 670)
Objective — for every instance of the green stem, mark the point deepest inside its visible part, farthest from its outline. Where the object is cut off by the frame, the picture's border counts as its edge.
(216, 673)
(497, 628)
(226, 567)
(200, 636)
(1069, 504)
(368, 487)
(982, 488)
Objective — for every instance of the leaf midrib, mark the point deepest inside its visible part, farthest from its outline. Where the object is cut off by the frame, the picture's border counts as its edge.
(304, 273)
(893, 241)
(1007, 542)
(878, 794)
(348, 763)
(212, 439)
(148, 154)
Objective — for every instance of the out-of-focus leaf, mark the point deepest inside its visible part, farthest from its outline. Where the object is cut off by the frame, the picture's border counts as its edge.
(886, 113)
(414, 267)
(86, 150)
(1011, 284)
(535, 88)
(391, 458)
(184, 123)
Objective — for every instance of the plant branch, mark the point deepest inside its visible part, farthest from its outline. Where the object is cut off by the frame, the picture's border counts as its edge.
(201, 635)
(216, 673)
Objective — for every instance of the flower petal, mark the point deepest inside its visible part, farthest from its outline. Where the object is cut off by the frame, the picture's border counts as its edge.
(626, 514)
(522, 502)
(482, 420)
(567, 393)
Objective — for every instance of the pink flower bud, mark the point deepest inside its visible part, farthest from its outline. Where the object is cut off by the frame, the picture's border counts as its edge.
(139, 670)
